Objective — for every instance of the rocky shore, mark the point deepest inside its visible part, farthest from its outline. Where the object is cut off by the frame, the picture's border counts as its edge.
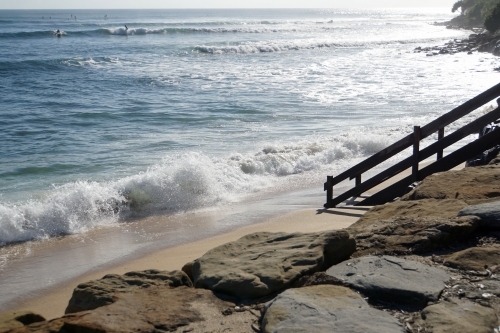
(429, 262)
(479, 41)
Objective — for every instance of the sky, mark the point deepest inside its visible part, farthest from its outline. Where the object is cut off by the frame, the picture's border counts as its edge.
(112, 4)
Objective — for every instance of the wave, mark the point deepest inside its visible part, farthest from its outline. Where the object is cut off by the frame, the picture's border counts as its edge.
(179, 183)
(193, 181)
(7, 67)
(121, 31)
(281, 46)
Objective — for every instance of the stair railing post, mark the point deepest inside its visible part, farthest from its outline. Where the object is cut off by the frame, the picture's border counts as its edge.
(329, 191)
(416, 149)
(440, 136)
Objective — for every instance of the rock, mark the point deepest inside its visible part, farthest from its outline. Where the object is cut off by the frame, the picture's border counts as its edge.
(157, 308)
(392, 279)
(475, 258)
(458, 316)
(447, 208)
(188, 269)
(489, 213)
(472, 185)
(97, 293)
(16, 319)
(262, 263)
(403, 227)
(325, 309)
(490, 287)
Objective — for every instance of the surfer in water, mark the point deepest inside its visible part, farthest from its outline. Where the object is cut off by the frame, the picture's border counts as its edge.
(126, 28)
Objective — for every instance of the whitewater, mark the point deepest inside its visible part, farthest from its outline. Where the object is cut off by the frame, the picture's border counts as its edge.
(184, 111)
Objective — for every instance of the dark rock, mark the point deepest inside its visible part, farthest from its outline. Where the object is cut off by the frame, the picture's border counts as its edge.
(475, 258)
(458, 316)
(93, 294)
(317, 279)
(392, 279)
(16, 319)
(188, 269)
(325, 309)
(262, 263)
(489, 213)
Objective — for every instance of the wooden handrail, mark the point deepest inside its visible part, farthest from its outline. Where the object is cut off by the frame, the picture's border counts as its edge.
(435, 126)
(459, 156)
(427, 152)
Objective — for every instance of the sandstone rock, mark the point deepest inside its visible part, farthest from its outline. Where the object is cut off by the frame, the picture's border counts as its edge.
(472, 185)
(489, 213)
(474, 258)
(447, 208)
(97, 293)
(458, 316)
(403, 235)
(411, 226)
(259, 264)
(16, 319)
(392, 279)
(157, 308)
(325, 308)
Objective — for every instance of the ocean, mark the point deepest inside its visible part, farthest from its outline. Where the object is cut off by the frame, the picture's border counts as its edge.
(130, 114)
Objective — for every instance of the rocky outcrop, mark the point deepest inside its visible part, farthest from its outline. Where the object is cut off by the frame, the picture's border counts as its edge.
(152, 309)
(481, 42)
(97, 293)
(262, 263)
(489, 213)
(18, 319)
(325, 309)
(472, 185)
(458, 316)
(392, 279)
(418, 226)
(475, 258)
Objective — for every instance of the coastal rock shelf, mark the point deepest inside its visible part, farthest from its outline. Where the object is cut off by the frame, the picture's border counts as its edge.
(439, 273)
(482, 42)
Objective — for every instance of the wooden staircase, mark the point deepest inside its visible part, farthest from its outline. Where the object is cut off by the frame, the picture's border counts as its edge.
(441, 164)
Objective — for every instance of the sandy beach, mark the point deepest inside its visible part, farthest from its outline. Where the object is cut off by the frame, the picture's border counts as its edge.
(51, 302)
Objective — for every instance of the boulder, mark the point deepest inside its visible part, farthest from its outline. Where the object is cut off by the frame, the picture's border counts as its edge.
(262, 263)
(93, 294)
(152, 309)
(489, 213)
(475, 258)
(325, 308)
(458, 316)
(392, 279)
(16, 319)
(472, 185)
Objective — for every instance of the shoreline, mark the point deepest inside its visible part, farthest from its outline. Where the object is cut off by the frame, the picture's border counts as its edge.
(174, 257)
(52, 301)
